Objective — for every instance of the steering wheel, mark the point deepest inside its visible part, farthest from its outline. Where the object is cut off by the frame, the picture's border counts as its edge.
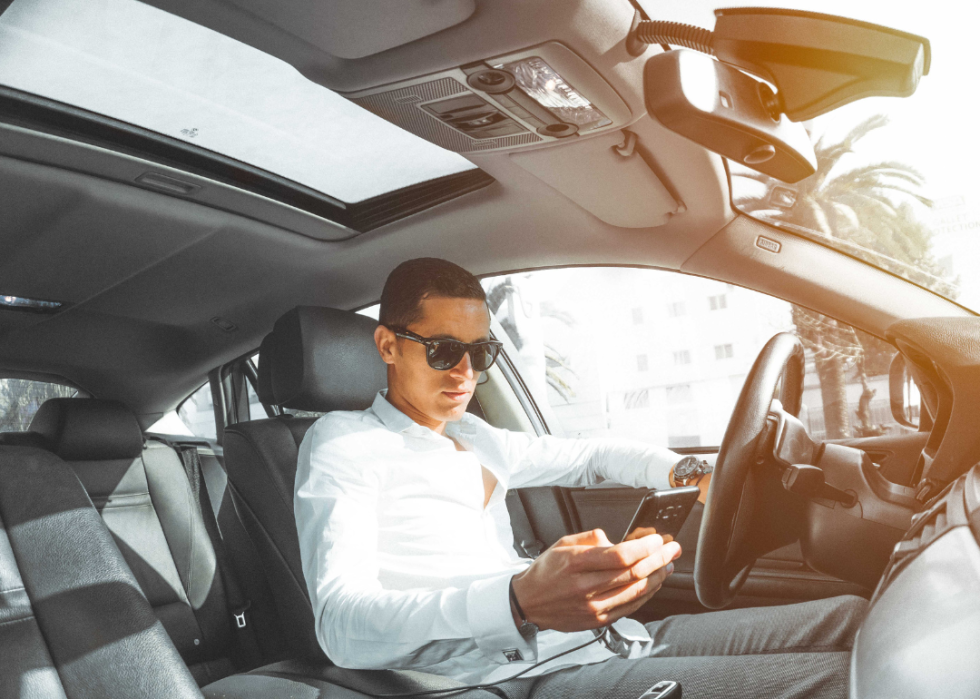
(736, 513)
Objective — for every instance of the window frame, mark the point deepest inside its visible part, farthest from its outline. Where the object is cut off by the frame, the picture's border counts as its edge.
(43, 115)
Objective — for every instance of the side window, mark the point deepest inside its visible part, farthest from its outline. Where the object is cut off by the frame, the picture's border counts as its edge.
(661, 357)
(20, 399)
(196, 413)
(256, 411)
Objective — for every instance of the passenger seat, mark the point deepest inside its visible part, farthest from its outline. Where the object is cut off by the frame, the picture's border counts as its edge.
(143, 494)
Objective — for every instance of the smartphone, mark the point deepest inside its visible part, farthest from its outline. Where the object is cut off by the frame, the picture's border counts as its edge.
(664, 510)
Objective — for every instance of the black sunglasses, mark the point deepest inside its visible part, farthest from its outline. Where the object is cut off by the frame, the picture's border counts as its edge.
(443, 354)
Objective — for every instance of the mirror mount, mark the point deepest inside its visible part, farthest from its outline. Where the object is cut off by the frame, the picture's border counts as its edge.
(817, 62)
(725, 110)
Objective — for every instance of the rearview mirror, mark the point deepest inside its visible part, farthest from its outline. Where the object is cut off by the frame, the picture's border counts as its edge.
(726, 111)
(903, 394)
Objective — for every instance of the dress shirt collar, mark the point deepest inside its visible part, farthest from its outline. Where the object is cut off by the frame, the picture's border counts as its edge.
(397, 421)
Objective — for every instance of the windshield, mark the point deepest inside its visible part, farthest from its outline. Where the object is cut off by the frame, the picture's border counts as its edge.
(144, 66)
(897, 182)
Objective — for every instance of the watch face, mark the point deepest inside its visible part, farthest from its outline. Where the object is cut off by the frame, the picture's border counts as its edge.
(686, 467)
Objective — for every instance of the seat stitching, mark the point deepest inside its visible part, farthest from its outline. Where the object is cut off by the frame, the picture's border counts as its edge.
(12, 589)
(16, 621)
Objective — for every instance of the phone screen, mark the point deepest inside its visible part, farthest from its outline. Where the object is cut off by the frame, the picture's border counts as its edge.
(664, 510)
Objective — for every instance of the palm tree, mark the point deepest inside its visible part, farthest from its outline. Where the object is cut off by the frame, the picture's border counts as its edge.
(868, 211)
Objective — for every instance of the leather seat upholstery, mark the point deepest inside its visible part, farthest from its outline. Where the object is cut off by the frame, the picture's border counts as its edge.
(73, 620)
(315, 359)
(145, 499)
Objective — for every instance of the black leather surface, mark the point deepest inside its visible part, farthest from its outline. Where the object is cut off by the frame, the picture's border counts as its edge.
(87, 429)
(22, 439)
(26, 667)
(101, 633)
(260, 457)
(325, 359)
(148, 506)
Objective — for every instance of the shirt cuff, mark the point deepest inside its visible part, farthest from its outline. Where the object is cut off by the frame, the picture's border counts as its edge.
(492, 624)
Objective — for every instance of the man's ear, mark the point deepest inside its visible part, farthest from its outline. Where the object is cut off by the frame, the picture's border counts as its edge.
(385, 338)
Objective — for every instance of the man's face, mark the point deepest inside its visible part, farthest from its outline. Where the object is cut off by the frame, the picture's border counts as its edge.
(427, 395)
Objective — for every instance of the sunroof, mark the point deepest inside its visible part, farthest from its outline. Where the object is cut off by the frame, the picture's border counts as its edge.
(140, 65)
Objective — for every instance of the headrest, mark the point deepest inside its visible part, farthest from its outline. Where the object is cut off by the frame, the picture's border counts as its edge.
(325, 359)
(87, 429)
(263, 387)
(22, 439)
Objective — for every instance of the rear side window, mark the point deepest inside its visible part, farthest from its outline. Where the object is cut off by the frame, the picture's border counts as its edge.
(20, 399)
(197, 413)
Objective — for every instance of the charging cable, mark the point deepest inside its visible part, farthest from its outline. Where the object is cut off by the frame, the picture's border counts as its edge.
(600, 634)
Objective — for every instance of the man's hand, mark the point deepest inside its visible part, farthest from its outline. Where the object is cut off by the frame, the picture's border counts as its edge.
(585, 582)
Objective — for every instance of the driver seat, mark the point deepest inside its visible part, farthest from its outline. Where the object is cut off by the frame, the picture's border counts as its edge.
(317, 360)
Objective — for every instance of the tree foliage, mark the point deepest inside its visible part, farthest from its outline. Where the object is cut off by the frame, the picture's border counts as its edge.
(20, 399)
(870, 211)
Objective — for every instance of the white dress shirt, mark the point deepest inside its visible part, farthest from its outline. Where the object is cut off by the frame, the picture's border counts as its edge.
(404, 565)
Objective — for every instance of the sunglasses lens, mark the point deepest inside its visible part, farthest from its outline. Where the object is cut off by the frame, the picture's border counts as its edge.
(484, 357)
(445, 355)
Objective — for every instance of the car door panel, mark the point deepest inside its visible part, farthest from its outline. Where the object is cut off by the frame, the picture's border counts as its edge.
(895, 454)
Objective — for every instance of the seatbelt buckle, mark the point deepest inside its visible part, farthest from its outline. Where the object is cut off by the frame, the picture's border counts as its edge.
(239, 614)
(532, 548)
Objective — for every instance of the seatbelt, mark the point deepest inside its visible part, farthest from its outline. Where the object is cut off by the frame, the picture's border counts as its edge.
(526, 543)
(238, 605)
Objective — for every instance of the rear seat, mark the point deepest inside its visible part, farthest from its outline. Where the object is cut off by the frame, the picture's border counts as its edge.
(73, 621)
(144, 497)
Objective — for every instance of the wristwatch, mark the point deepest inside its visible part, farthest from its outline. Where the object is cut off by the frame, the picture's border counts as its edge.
(690, 468)
(528, 629)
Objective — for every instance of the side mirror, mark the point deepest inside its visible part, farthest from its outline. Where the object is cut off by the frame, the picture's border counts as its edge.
(726, 111)
(903, 394)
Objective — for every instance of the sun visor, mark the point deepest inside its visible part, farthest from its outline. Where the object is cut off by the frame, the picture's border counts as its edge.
(607, 177)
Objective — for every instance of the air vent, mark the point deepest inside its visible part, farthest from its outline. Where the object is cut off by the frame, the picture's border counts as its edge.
(951, 511)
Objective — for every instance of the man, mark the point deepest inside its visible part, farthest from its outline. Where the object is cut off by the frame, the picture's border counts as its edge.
(407, 546)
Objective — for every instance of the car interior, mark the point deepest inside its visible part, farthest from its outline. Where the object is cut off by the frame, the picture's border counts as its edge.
(187, 290)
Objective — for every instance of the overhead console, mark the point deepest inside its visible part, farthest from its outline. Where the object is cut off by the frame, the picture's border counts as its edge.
(522, 101)
(543, 94)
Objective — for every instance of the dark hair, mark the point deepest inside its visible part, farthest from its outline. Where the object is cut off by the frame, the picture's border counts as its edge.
(415, 280)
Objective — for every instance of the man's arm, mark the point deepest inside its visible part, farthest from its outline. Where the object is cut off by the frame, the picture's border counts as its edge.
(549, 460)
(359, 624)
